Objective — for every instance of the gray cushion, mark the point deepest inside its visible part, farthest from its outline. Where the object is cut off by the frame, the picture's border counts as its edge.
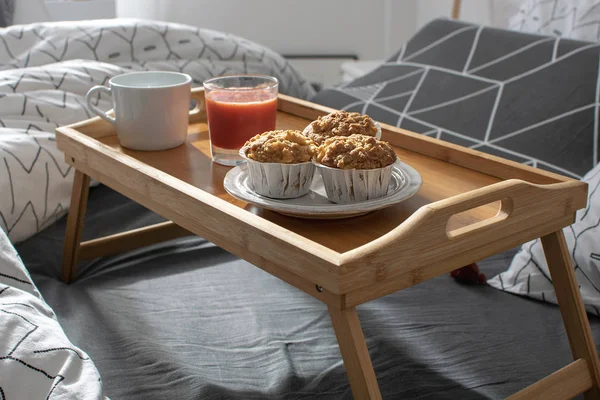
(524, 97)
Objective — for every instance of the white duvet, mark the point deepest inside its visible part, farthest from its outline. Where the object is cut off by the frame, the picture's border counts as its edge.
(45, 72)
(37, 360)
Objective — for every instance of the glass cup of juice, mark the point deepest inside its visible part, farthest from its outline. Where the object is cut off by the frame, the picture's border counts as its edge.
(238, 107)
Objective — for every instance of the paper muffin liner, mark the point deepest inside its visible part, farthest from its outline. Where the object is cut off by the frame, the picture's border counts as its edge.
(280, 181)
(309, 129)
(345, 186)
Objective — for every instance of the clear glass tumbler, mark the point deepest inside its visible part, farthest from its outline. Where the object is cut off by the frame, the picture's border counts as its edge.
(238, 107)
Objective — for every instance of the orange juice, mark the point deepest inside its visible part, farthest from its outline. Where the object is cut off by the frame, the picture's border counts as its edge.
(236, 116)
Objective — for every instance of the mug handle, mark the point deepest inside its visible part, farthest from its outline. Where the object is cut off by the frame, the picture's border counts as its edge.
(96, 110)
(198, 113)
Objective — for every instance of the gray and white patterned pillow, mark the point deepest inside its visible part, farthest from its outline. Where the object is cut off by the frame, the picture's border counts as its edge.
(528, 273)
(37, 360)
(574, 19)
(494, 90)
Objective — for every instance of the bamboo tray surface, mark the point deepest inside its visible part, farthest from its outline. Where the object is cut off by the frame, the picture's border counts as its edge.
(192, 164)
(471, 205)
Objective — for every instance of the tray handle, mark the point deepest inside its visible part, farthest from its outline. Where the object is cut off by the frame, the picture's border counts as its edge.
(425, 234)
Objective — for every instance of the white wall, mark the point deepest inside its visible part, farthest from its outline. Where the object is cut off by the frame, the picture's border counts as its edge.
(30, 11)
(486, 12)
(477, 11)
(78, 10)
(371, 29)
(400, 22)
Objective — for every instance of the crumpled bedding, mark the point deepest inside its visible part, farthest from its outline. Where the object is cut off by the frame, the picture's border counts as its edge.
(186, 320)
(46, 70)
(37, 360)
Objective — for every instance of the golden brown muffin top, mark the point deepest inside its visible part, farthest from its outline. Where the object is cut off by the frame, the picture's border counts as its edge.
(340, 123)
(280, 146)
(355, 152)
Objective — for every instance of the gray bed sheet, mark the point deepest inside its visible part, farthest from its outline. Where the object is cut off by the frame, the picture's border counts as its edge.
(187, 320)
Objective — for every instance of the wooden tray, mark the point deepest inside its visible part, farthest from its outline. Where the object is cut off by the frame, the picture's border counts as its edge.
(471, 205)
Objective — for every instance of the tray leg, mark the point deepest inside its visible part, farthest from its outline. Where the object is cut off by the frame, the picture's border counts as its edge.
(355, 353)
(571, 307)
(79, 198)
(130, 240)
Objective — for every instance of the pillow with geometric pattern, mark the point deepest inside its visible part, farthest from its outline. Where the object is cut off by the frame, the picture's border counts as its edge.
(574, 19)
(488, 89)
(37, 360)
(528, 273)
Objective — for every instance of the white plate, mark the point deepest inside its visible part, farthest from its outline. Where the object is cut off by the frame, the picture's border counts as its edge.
(405, 183)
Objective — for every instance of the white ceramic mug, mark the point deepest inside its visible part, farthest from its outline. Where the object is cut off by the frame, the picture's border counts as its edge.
(151, 108)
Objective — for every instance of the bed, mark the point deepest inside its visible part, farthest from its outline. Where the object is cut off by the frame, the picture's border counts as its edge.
(185, 319)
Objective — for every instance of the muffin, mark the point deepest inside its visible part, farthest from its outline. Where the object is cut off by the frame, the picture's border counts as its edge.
(355, 168)
(341, 123)
(279, 163)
